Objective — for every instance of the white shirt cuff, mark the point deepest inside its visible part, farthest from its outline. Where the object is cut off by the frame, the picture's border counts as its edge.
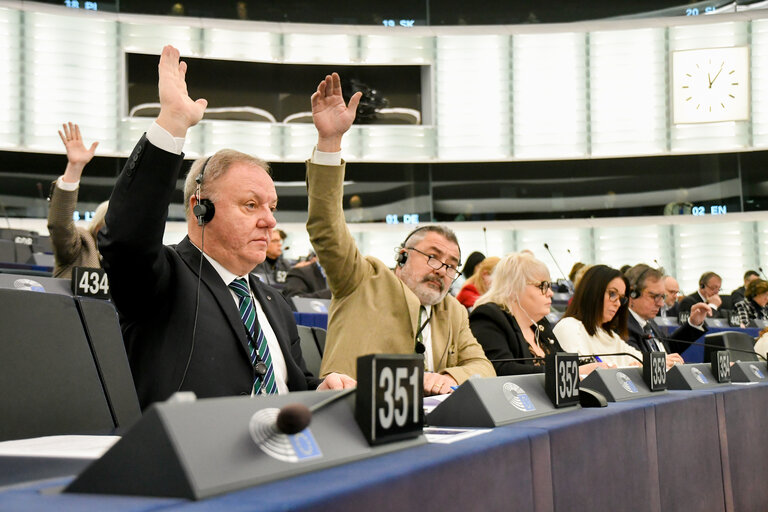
(66, 185)
(323, 158)
(699, 327)
(162, 139)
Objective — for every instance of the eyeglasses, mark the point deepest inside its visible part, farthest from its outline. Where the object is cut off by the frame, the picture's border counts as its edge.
(436, 264)
(544, 286)
(657, 297)
(614, 296)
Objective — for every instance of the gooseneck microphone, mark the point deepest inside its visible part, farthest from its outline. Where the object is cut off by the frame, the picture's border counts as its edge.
(581, 357)
(565, 278)
(293, 418)
(761, 271)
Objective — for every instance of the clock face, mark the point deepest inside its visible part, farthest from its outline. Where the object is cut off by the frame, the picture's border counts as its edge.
(710, 85)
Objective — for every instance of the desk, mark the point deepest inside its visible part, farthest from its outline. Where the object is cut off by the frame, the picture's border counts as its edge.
(680, 450)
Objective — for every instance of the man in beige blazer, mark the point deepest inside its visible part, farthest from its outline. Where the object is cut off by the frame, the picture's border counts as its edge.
(376, 310)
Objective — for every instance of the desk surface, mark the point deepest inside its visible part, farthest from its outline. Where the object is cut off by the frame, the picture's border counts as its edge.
(680, 450)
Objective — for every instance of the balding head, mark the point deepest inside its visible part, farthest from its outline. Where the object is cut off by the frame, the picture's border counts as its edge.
(672, 289)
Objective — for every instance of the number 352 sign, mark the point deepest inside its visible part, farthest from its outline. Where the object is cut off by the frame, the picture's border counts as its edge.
(389, 398)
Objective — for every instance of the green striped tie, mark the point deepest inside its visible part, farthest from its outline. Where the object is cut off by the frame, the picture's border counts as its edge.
(265, 384)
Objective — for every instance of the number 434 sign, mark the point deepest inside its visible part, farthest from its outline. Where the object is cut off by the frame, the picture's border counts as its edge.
(90, 282)
(390, 396)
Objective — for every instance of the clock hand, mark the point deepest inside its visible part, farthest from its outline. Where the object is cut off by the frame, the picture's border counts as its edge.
(717, 75)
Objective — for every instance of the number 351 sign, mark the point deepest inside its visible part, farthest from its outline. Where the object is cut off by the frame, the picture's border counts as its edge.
(389, 398)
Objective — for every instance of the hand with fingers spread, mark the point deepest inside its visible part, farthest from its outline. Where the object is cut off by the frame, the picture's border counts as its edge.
(77, 155)
(332, 117)
(178, 112)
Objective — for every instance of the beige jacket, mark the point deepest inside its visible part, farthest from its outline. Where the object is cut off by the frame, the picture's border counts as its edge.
(72, 246)
(372, 311)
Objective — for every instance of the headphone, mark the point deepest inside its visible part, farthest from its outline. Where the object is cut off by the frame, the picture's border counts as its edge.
(203, 209)
(402, 255)
(634, 287)
(706, 276)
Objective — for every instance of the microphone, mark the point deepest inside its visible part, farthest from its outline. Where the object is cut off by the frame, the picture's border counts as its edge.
(289, 420)
(657, 263)
(718, 347)
(565, 278)
(419, 346)
(761, 271)
(516, 359)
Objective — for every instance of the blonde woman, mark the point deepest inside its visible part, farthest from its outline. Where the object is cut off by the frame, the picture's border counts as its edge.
(479, 283)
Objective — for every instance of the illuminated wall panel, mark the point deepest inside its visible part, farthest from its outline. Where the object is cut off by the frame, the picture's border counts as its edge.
(242, 44)
(317, 48)
(473, 97)
(402, 48)
(396, 143)
(760, 83)
(10, 77)
(148, 34)
(627, 92)
(549, 89)
(71, 73)
(727, 248)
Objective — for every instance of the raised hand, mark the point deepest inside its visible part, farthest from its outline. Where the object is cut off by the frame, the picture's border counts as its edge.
(332, 117)
(77, 155)
(178, 112)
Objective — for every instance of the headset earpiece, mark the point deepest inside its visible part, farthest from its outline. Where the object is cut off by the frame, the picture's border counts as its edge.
(401, 257)
(633, 294)
(204, 210)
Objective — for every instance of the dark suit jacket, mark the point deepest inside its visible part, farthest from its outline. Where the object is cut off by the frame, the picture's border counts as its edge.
(673, 311)
(154, 287)
(307, 281)
(688, 301)
(500, 335)
(639, 340)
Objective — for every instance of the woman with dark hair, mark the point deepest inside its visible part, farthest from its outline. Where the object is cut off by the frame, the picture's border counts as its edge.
(469, 265)
(755, 303)
(596, 319)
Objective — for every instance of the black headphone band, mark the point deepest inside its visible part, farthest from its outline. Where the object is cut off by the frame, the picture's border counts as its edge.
(635, 290)
(204, 209)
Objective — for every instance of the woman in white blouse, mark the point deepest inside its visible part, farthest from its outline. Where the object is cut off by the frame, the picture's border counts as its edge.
(596, 319)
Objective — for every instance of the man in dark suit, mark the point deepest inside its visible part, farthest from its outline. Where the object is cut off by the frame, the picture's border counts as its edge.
(191, 322)
(737, 295)
(307, 281)
(646, 295)
(708, 293)
(671, 306)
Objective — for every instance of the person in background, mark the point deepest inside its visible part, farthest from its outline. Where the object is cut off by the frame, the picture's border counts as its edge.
(671, 306)
(509, 320)
(739, 293)
(307, 281)
(646, 295)
(375, 310)
(574, 269)
(479, 283)
(274, 269)
(72, 246)
(755, 303)
(761, 346)
(708, 292)
(472, 261)
(596, 319)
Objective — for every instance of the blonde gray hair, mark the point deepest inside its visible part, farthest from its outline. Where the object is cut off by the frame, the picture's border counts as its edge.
(97, 222)
(215, 166)
(510, 276)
